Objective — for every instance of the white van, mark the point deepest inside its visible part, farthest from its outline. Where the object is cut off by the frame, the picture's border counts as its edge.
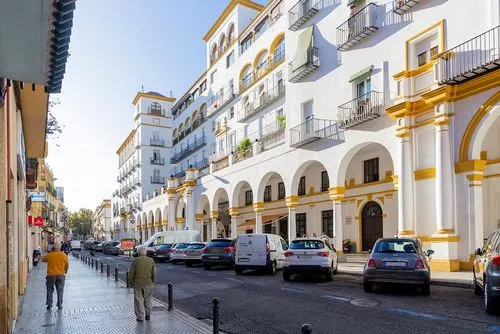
(259, 251)
(76, 245)
(168, 237)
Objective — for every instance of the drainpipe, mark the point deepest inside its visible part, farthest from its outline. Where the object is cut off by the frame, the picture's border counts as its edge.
(7, 111)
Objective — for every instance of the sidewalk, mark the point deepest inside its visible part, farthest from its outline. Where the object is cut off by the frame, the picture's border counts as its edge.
(94, 303)
(460, 279)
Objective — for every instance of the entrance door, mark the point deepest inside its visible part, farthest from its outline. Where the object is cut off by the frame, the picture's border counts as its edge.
(371, 225)
(308, 117)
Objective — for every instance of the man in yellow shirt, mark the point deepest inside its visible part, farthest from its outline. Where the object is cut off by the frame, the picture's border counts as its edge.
(57, 268)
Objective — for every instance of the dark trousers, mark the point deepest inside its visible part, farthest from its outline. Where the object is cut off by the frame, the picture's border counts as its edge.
(58, 281)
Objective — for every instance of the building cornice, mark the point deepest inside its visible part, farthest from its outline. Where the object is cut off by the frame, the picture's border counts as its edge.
(126, 141)
(151, 96)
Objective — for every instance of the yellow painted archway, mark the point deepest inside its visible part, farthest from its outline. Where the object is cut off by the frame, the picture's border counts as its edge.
(275, 42)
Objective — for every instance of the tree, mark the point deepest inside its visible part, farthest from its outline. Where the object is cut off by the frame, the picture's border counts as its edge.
(54, 129)
(81, 221)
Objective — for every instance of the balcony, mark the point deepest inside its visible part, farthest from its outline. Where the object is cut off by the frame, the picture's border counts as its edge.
(246, 82)
(297, 71)
(156, 111)
(358, 27)
(312, 130)
(157, 161)
(194, 146)
(272, 135)
(470, 59)
(301, 12)
(267, 98)
(202, 164)
(31, 173)
(179, 175)
(156, 142)
(220, 101)
(175, 140)
(360, 110)
(240, 155)
(157, 180)
(402, 6)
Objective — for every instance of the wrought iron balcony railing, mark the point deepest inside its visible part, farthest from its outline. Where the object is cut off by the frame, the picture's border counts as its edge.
(157, 142)
(246, 82)
(202, 164)
(301, 12)
(157, 161)
(179, 175)
(194, 146)
(241, 155)
(267, 98)
(297, 71)
(470, 59)
(360, 110)
(402, 6)
(156, 111)
(175, 140)
(312, 130)
(157, 179)
(357, 27)
(220, 101)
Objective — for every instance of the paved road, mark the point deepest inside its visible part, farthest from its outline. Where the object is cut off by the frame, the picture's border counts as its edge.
(256, 303)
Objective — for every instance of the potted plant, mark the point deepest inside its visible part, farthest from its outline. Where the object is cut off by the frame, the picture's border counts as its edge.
(281, 121)
(245, 144)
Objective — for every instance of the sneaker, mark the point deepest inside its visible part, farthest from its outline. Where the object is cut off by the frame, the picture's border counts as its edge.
(49, 307)
(139, 320)
(60, 307)
(148, 317)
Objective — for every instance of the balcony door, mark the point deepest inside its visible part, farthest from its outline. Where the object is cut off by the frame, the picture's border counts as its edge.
(307, 112)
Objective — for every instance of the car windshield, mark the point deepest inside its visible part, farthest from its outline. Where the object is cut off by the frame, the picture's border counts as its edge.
(182, 245)
(307, 244)
(115, 243)
(196, 246)
(395, 246)
(165, 246)
(220, 243)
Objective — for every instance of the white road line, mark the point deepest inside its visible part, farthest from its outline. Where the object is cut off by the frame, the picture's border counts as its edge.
(337, 298)
(293, 290)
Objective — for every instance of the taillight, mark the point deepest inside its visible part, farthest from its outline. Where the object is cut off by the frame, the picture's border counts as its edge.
(288, 253)
(228, 249)
(204, 250)
(496, 260)
(419, 264)
(371, 263)
(268, 248)
(324, 254)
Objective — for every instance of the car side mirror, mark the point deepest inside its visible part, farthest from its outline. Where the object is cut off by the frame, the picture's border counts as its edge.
(478, 251)
(429, 252)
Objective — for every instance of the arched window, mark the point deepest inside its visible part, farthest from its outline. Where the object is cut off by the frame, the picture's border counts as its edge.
(196, 121)
(187, 124)
(246, 76)
(230, 34)
(155, 108)
(222, 44)
(203, 113)
(261, 63)
(278, 49)
(181, 131)
(213, 53)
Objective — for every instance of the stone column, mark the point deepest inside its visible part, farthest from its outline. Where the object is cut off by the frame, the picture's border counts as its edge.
(214, 215)
(291, 203)
(172, 184)
(164, 225)
(405, 183)
(444, 170)
(190, 185)
(336, 195)
(199, 223)
(235, 215)
(258, 208)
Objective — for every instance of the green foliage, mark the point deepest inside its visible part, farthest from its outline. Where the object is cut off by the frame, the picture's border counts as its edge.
(245, 144)
(282, 121)
(81, 221)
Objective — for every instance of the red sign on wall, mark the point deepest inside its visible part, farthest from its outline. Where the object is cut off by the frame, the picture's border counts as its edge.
(30, 220)
(38, 221)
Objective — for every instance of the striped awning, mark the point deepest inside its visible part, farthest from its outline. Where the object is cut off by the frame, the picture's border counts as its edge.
(363, 74)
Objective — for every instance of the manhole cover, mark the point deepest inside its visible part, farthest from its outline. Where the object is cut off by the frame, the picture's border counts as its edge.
(364, 302)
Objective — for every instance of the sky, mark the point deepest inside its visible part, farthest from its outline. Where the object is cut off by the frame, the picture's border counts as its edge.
(118, 46)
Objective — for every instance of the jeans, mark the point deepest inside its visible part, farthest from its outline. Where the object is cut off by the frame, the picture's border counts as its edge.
(142, 300)
(58, 281)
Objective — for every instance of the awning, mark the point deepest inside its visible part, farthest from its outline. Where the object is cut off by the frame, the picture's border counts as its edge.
(34, 107)
(272, 218)
(350, 2)
(248, 223)
(304, 42)
(361, 75)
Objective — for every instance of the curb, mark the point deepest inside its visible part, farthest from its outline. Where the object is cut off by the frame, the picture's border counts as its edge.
(436, 281)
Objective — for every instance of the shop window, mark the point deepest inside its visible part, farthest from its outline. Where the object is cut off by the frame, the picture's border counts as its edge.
(301, 221)
(327, 222)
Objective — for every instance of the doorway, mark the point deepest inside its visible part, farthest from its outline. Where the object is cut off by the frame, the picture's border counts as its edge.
(372, 225)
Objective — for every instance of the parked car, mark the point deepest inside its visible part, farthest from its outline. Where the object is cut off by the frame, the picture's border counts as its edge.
(110, 247)
(99, 246)
(218, 252)
(486, 273)
(76, 245)
(394, 260)
(162, 252)
(87, 244)
(177, 253)
(169, 237)
(259, 251)
(193, 253)
(310, 255)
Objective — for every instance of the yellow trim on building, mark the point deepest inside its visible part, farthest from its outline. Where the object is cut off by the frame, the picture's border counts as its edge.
(444, 265)
(425, 174)
(470, 166)
(126, 141)
(439, 24)
(151, 96)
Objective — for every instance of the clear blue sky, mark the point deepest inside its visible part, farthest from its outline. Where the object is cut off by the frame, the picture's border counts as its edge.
(117, 46)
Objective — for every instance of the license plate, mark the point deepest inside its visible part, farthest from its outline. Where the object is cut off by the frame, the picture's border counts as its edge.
(395, 264)
(243, 260)
(213, 257)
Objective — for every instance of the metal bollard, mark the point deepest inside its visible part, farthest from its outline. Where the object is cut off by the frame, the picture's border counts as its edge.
(126, 279)
(107, 269)
(102, 267)
(96, 265)
(170, 302)
(116, 274)
(306, 329)
(91, 262)
(215, 315)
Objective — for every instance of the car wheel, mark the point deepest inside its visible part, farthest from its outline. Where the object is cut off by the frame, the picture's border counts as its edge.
(238, 270)
(426, 289)
(174, 261)
(206, 266)
(329, 275)
(334, 271)
(368, 287)
(272, 268)
(188, 264)
(287, 276)
(477, 288)
(489, 306)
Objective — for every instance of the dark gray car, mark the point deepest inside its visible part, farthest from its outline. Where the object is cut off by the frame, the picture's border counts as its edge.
(394, 260)
(218, 252)
(486, 273)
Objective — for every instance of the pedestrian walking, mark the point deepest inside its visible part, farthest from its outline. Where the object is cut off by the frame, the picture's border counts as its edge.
(142, 275)
(57, 268)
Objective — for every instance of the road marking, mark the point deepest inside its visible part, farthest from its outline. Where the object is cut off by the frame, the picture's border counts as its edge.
(417, 314)
(293, 290)
(493, 328)
(337, 298)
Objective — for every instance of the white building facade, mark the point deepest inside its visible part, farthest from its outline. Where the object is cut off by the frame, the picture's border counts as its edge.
(101, 224)
(353, 119)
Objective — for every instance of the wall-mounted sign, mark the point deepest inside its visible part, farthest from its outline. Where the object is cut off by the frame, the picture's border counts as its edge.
(38, 221)
(132, 221)
(37, 196)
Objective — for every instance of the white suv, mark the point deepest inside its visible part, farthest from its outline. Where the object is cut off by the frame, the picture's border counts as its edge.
(310, 255)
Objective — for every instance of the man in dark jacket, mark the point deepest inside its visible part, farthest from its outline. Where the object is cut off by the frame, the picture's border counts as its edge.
(141, 276)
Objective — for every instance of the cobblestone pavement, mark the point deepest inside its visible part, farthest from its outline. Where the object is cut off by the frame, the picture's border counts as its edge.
(94, 303)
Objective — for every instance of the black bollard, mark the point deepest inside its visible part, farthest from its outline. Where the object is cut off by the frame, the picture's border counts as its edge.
(96, 265)
(116, 274)
(102, 267)
(107, 270)
(215, 315)
(170, 302)
(126, 279)
(91, 262)
(306, 329)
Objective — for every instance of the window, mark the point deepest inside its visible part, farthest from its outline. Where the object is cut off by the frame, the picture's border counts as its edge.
(302, 186)
(327, 222)
(231, 113)
(422, 59)
(434, 51)
(371, 170)
(156, 135)
(246, 43)
(281, 190)
(248, 197)
(267, 194)
(425, 49)
(300, 219)
(221, 145)
(212, 77)
(232, 140)
(325, 181)
(156, 154)
(213, 126)
(261, 27)
(203, 86)
(156, 173)
(156, 121)
(230, 59)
